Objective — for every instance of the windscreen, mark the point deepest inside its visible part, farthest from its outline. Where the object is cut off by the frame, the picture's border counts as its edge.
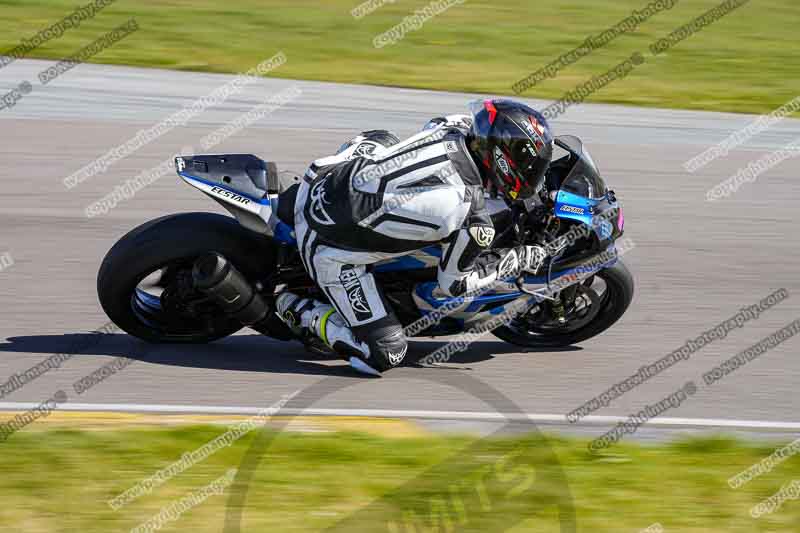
(584, 179)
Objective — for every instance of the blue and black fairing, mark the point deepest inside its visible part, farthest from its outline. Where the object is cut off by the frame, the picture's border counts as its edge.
(604, 216)
(583, 195)
(241, 174)
(244, 184)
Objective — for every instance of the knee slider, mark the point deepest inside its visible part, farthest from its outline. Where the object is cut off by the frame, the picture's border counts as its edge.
(392, 348)
(387, 345)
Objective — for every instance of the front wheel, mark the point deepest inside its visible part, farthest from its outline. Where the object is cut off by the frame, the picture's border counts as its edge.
(599, 303)
(145, 283)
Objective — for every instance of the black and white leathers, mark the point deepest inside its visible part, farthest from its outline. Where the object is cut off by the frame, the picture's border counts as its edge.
(387, 202)
(369, 203)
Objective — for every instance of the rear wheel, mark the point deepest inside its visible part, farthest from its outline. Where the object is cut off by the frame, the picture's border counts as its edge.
(145, 285)
(599, 303)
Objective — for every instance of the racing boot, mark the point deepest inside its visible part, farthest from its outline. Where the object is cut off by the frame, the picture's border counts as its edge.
(306, 316)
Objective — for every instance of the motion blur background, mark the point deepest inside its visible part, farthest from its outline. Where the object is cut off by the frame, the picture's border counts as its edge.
(700, 257)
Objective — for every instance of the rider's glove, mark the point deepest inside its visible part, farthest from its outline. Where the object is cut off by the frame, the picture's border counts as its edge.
(531, 258)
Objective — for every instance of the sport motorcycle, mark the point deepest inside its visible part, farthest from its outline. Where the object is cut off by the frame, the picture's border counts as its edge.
(199, 277)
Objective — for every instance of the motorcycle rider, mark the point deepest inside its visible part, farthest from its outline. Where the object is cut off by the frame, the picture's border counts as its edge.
(379, 198)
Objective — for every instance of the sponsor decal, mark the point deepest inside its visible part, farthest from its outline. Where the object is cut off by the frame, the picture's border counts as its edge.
(316, 209)
(535, 130)
(180, 164)
(528, 128)
(531, 150)
(355, 293)
(570, 209)
(225, 193)
(538, 127)
(483, 235)
(500, 158)
(396, 358)
(365, 149)
(451, 146)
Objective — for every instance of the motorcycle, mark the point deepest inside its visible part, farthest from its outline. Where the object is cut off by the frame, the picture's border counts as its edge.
(199, 277)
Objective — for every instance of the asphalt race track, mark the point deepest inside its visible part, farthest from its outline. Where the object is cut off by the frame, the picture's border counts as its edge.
(696, 263)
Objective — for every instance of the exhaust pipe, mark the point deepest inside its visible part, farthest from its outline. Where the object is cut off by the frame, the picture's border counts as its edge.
(217, 278)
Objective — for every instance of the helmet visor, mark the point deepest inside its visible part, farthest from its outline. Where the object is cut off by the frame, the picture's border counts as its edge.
(531, 165)
(531, 152)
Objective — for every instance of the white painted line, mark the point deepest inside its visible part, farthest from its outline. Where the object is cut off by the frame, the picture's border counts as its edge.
(549, 419)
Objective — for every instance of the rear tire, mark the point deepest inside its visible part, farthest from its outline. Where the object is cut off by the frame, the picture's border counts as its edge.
(177, 239)
(619, 282)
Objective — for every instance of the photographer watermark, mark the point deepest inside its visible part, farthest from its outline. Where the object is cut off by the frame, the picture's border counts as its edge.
(625, 67)
(84, 54)
(129, 188)
(412, 23)
(582, 92)
(410, 152)
(10, 99)
(718, 332)
(516, 308)
(753, 170)
(467, 502)
(179, 118)
(101, 374)
(370, 6)
(173, 511)
(790, 491)
(766, 465)
(635, 421)
(752, 353)
(569, 238)
(697, 24)
(743, 135)
(54, 31)
(84, 342)
(189, 459)
(43, 410)
(269, 106)
(592, 43)
(529, 474)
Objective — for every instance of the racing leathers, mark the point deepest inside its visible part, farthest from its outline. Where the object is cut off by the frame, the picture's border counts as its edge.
(369, 203)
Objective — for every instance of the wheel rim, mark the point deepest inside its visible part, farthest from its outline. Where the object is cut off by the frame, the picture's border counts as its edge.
(156, 306)
(594, 296)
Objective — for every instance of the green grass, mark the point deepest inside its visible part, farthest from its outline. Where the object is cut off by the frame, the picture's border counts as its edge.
(745, 62)
(60, 480)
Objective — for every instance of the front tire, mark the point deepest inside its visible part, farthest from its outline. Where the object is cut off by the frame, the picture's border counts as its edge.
(619, 294)
(171, 244)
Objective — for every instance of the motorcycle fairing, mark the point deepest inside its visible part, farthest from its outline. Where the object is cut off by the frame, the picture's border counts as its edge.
(588, 211)
(574, 207)
(248, 187)
(243, 184)
(469, 310)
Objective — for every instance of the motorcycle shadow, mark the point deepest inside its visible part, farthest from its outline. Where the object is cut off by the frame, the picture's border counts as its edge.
(244, 352)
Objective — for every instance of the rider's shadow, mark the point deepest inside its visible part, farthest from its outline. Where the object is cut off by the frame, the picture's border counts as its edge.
(250, 353)
(477, 352)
